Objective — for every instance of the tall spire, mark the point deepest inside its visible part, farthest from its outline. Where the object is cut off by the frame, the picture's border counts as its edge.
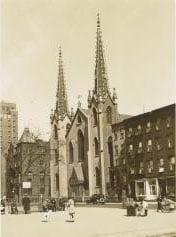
(101, 80)
(61, 95)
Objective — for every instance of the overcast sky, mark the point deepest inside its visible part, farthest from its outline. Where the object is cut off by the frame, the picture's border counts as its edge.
(138, 37)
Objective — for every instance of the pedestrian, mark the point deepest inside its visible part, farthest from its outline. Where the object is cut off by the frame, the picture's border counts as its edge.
(143, 208)
(53, 201)
(14, 209)
(71, 209)
(26, 203)
(159, 204)
(3, 205)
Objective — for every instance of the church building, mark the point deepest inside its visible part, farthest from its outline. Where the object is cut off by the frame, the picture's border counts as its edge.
(82, 151)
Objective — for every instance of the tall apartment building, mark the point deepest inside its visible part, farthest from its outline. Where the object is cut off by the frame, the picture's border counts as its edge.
(8, 134)
(146, 162)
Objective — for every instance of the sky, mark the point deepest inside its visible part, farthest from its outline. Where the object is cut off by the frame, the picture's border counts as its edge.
(138, 38)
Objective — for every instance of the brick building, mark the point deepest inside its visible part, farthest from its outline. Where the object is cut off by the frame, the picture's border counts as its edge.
(146, 164)
(28, 169)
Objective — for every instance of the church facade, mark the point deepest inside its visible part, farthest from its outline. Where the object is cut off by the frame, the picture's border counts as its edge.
(82, 151)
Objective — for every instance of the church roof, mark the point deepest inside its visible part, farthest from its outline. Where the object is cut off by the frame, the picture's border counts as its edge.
(27, 137)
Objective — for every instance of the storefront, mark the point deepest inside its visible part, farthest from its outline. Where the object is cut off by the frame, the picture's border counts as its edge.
(147, 188)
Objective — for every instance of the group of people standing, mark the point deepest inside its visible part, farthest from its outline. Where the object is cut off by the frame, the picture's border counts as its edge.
(135, 208)
(49, 206)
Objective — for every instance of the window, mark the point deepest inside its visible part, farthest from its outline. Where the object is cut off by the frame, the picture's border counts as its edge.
(95, 117)
(42, 178)
(170, 143)
(141, 167)
(55, 132)
(130, 131)
(149, 145)
(80, 146)
(56, 156)
(130, 147)
(121, 135)
(148, 128)
(109, 115)
(96, 147)
(148, 124)
(79, 119)
(71, 157)
(116, 149)
(168, 122)
(110, 151)
(138, 130)
(158, 146)
(161, 165)
(140, 188)
(98, 178)
(172, 163)
(131, 170)
(150, 166)
(157, 125)
(140, 147)
(124, 161)
(57, 182)
(152, 187)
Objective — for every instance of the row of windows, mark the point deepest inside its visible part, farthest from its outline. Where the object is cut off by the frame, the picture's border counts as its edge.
(150, 166)
(148, 127)
(170, 144)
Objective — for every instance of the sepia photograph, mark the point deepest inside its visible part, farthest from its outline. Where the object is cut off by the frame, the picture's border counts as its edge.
(87, 118)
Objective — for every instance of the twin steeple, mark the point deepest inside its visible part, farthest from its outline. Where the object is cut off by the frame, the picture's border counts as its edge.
(101, 88)
(61, 95)
(101, 80)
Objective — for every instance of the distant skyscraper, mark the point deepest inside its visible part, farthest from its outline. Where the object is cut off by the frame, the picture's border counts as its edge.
(8, 134)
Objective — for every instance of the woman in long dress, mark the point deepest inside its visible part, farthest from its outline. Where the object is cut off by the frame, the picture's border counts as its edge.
(71, 209)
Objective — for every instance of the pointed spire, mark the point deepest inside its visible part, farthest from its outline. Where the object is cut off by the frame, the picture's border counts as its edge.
(89, 98)
(114, 96)
(101, 80)
(72, 114)
(61, 95)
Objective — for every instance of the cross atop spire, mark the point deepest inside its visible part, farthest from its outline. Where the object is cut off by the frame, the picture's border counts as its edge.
(61, 95)
(101, 80)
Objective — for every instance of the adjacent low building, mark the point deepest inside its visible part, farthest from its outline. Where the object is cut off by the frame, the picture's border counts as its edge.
(28, 168)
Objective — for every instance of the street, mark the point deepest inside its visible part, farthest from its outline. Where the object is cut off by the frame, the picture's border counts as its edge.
(90, 222)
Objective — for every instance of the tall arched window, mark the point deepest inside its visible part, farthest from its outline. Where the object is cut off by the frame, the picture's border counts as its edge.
(109, 115)
(98, 177)
(80, 146)
(57, 182)
(79, 119)
(95, 117)
(71, 157)
(55, 131)
(96, 146)
(110, 151)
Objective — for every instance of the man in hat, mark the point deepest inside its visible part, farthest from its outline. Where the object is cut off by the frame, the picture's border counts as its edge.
(26, 203)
